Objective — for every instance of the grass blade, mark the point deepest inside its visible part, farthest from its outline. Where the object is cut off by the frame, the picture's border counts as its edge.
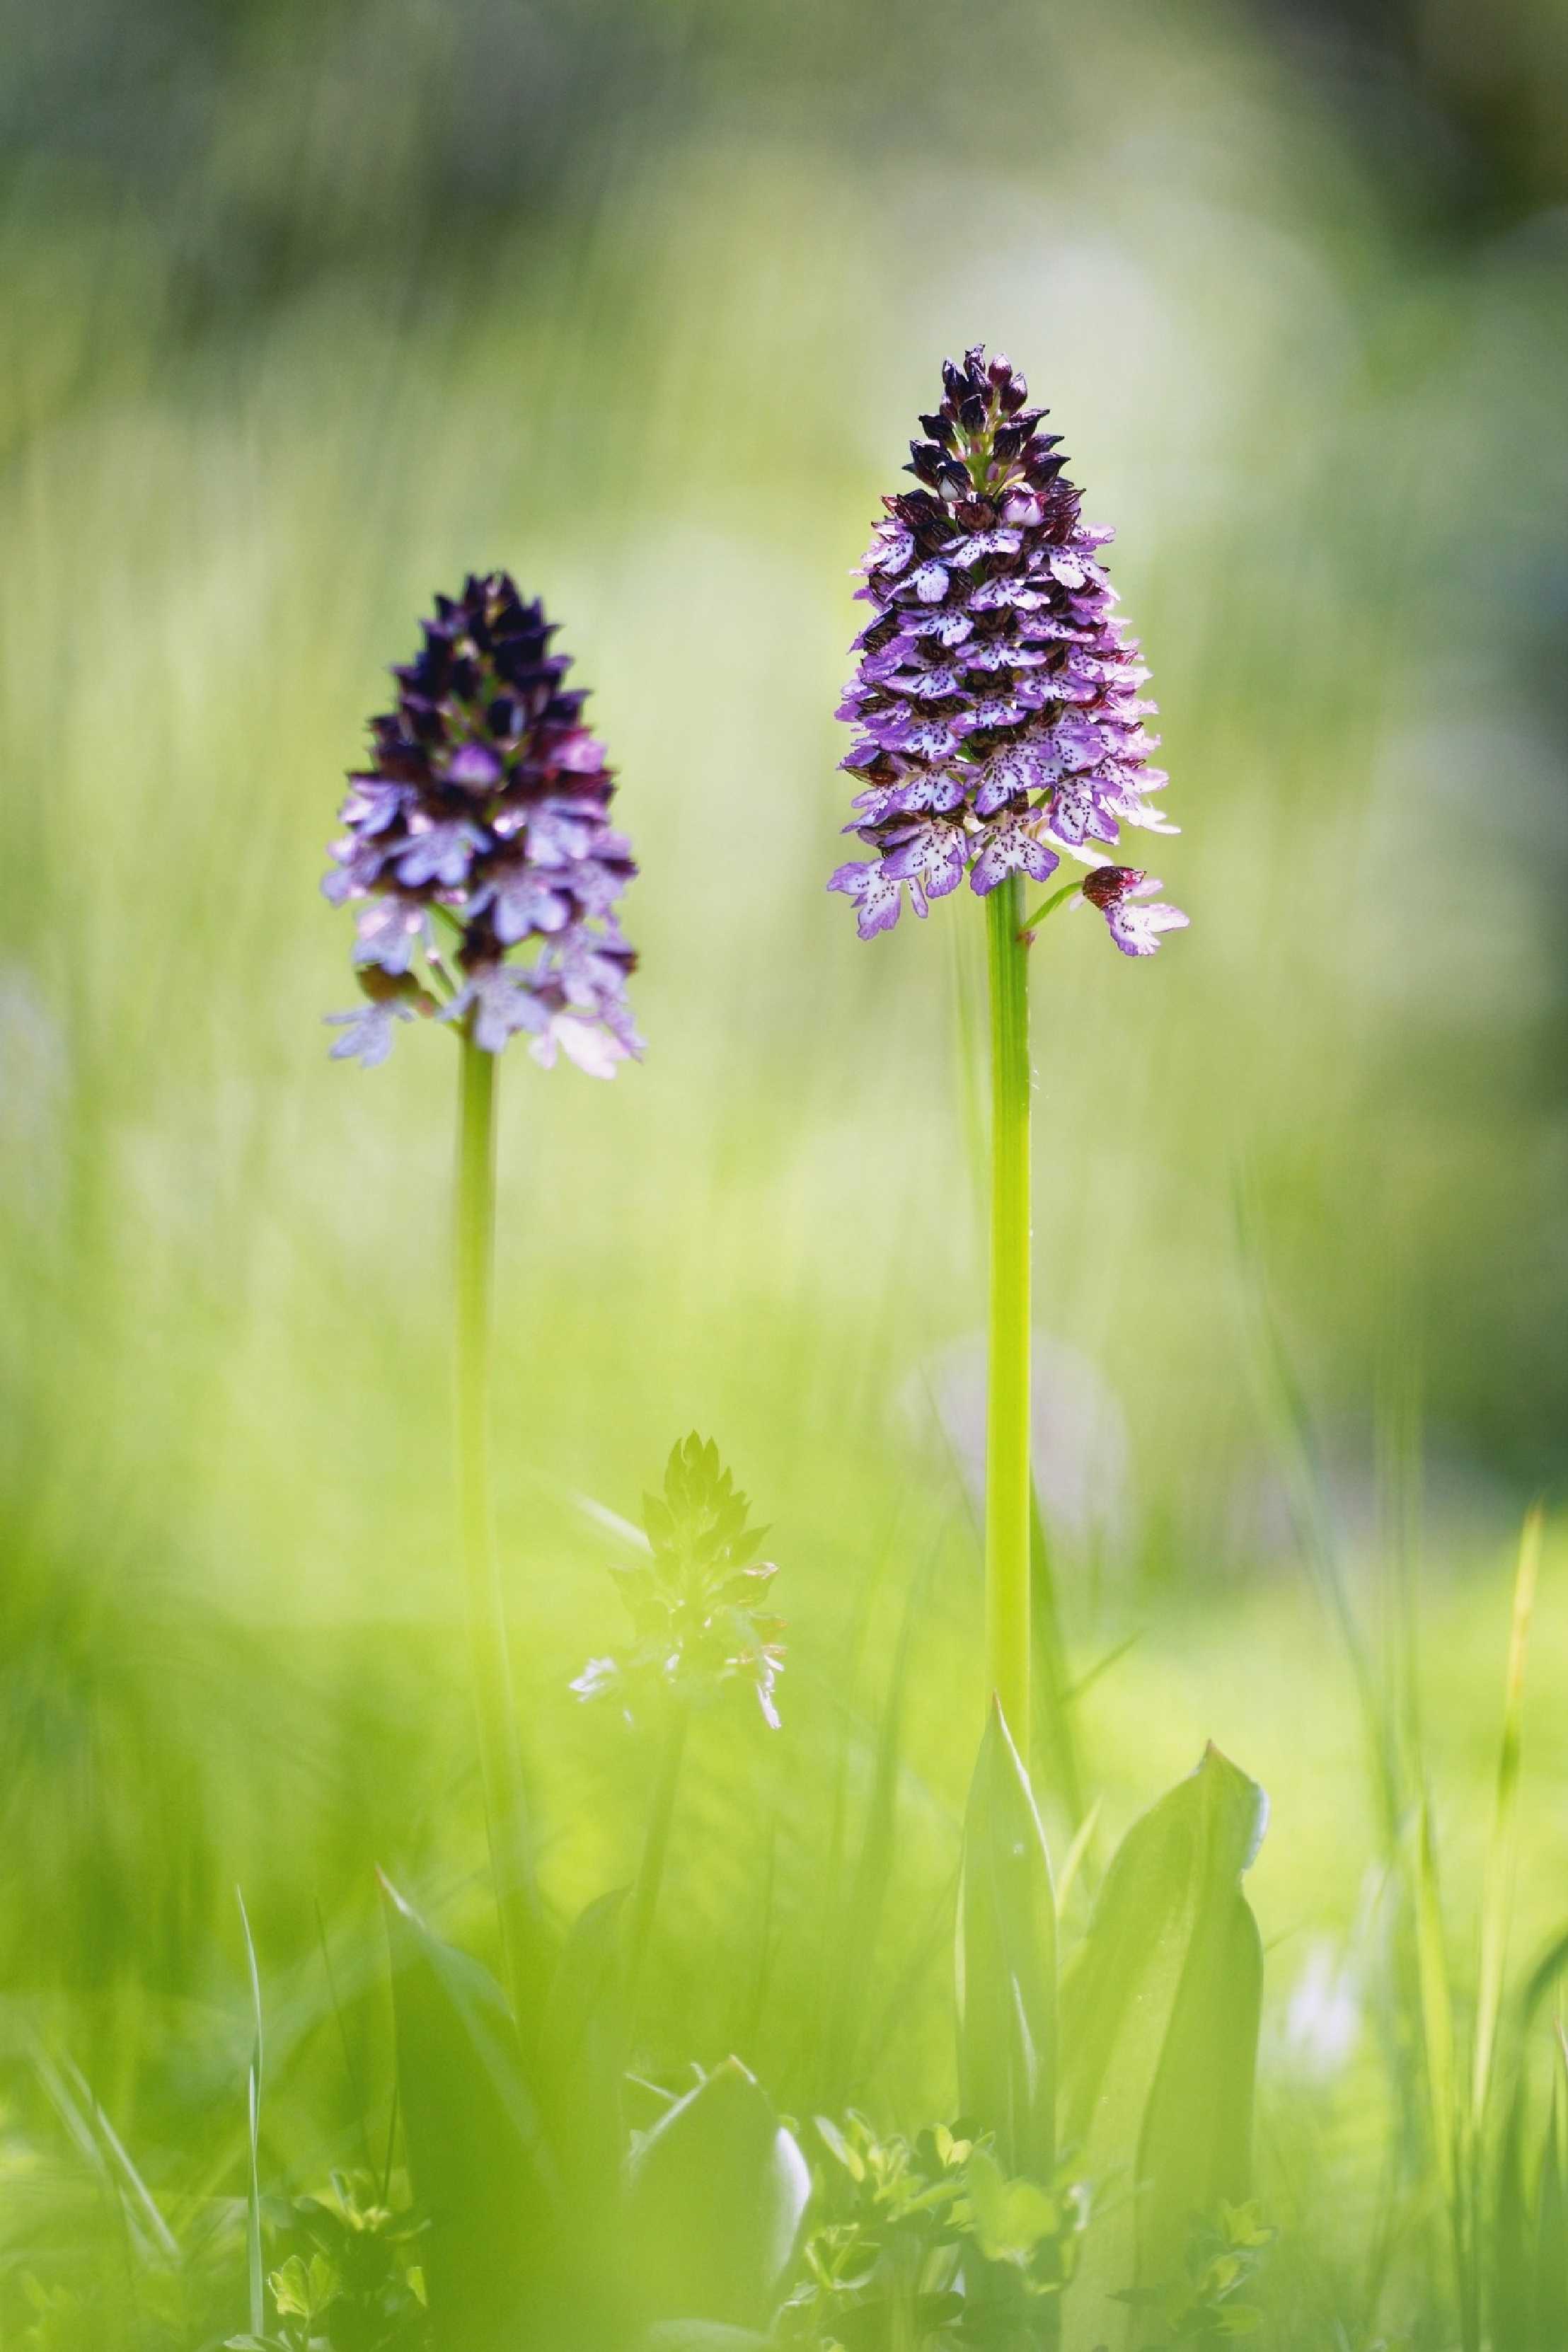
(76, 2104)
(1454, 2144)
(1309, 1504)
(477, 2153)
(1076, 1853)
(1058, 1729)
(1437, 2003)
(861, 1918)
(254, 2272)
(1502, 1848)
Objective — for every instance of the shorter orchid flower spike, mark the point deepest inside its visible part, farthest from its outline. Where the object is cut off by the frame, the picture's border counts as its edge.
(479, 852)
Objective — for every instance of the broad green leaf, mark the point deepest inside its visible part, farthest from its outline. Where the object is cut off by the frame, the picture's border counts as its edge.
(716, 2194)
(304, 2290)
(476, 2151)
(581, 2055)
(1238, 2319)
(1006, 1963)
(580, 2068)
(1160, 2015)
(1011, 2218)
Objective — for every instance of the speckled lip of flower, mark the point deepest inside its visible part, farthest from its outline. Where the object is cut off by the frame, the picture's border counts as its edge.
(997, 717)
(479, 849)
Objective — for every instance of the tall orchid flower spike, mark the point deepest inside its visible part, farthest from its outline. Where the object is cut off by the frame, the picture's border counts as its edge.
(479, 852)
(997, 706)
(999, 727)
(478, 846)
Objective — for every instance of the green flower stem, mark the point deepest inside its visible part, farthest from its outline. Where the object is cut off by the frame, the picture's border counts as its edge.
(656, 1846)
(501, 1761)
(1007, 1389)
(1031, 923)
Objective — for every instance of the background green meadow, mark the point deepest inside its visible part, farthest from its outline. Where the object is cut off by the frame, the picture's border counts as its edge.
(309, 307)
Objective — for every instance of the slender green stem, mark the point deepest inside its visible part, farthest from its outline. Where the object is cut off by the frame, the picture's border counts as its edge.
(501, 1761)
(1007, 1391)
(655, 1845)
(1031, 922)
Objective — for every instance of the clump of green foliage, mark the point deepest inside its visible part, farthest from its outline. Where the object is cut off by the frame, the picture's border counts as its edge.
(542, 2181)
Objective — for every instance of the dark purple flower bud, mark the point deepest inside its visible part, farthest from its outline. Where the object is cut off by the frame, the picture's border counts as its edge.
(995, 706)
(1136, 929)
(479, 839)
(1109, 885)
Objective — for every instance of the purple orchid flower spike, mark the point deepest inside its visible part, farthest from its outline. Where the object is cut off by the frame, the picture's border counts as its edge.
(479, 852)
(485, 874)
(999, 728)
(997, 706)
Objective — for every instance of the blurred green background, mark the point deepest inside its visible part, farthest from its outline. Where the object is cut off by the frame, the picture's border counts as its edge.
(309, 307)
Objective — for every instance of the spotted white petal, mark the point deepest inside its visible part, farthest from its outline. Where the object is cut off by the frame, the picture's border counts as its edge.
(1137, 928)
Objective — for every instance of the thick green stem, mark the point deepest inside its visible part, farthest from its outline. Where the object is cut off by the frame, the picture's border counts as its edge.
(500, 1762)
(1008, 1390)
(655, 1845)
